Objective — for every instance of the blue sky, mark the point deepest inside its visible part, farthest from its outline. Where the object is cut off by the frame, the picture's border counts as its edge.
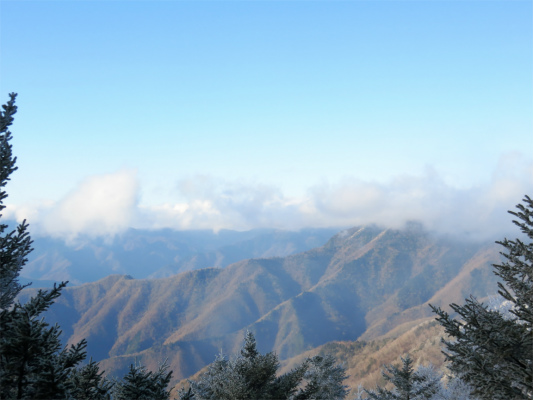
(197, 114)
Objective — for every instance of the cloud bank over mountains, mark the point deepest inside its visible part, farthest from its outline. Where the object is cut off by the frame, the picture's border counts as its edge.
(106, 205)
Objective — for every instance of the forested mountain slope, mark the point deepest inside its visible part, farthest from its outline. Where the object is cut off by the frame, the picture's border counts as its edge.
(364, 360)
(363, 283)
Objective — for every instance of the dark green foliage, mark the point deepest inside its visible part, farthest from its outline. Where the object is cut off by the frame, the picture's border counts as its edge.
(252, 375)
(408, 384)
(185, 394)
(492, 351)
(89, 384)
(249, 376)
(33, 364)
(16, 245)
(140, 384)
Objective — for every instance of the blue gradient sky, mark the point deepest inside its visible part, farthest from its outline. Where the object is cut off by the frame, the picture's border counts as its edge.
(258, 102)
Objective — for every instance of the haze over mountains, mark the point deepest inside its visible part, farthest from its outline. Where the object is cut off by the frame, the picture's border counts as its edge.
(159, 253)
(363, 283)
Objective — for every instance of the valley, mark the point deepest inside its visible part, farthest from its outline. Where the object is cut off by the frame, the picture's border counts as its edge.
(362, 296)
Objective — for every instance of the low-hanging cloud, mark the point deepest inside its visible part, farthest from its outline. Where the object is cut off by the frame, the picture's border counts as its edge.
(210, 203)
(101, 205)
(105, 205)
(478, 212)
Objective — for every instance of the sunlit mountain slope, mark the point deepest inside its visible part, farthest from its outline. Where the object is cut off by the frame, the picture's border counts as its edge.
(364, 283)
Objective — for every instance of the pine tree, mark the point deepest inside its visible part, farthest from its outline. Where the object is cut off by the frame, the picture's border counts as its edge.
(493, 351)
(33, 364)
(16, 245)
(408, 383)
(88, 383)
(428, 378)
(252, 375)
(141, 384)
(456, 389)
(324, 379)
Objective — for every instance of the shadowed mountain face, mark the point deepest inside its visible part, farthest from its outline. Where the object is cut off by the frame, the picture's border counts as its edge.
(362, 283)
(157, 254)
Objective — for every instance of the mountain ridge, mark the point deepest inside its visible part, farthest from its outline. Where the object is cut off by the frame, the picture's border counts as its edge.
(160, 253)
(361, 284)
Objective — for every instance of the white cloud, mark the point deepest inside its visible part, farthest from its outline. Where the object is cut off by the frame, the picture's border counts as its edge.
(101, 205)
(479, 211)
(105, 205)
(211, 203)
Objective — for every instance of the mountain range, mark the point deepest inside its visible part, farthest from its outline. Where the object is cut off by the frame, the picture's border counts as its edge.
(159, 253)
(365, 284)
